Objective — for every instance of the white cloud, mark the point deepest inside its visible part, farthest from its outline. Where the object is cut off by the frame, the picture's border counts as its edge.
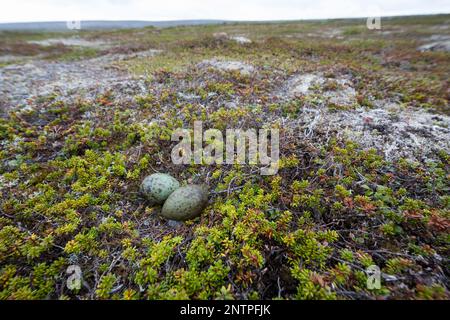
(62, 10)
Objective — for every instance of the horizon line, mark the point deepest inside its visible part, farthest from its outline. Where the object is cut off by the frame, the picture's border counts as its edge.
(229, 20)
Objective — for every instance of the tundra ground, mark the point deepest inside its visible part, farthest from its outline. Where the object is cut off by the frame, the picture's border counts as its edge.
(364, 169)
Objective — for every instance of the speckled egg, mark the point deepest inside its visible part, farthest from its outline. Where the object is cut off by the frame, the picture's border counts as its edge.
(185, 203)
(157, 187)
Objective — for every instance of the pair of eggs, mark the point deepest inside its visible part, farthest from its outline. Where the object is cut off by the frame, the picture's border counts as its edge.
(180, 203)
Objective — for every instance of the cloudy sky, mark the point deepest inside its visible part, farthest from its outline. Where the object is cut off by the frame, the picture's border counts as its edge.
(63, 10)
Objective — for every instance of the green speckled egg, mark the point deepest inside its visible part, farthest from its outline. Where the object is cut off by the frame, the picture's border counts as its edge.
(185, 203)
(158, 186)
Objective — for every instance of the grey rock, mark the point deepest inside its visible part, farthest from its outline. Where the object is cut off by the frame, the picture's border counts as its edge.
(436, 46)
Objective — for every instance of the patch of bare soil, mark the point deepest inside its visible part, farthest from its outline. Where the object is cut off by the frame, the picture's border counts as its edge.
(74, 41)
(21, 82)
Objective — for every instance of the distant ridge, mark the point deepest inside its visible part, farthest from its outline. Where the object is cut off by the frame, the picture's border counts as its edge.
(98, 25)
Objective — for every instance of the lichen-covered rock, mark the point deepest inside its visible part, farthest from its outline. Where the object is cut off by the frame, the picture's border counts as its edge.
(243, 68)
(241, 39)
(185, 203)
(157, 187)
(436, 46)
